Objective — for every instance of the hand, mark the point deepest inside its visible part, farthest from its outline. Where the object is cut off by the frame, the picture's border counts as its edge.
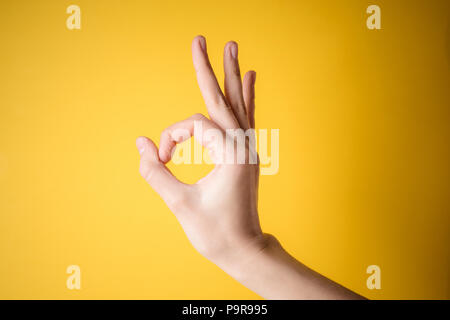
(218, 213)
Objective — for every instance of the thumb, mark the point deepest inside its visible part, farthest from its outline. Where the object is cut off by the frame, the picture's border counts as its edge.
(157, 175)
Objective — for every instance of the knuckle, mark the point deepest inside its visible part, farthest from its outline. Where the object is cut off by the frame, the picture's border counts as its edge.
(198, 116)
(177, 202)
(223, 105)
(168, 134)
(146, 172)
(215, 100)
(167, 131)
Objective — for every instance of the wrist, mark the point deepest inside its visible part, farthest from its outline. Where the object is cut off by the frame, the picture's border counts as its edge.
(242, 260)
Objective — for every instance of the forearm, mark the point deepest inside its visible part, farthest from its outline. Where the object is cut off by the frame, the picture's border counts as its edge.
(274, 274)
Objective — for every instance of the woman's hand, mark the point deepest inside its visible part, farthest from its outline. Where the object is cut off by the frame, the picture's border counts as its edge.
(219, 213)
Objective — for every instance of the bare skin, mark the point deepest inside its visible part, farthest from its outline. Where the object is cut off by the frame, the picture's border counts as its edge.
(219, 213)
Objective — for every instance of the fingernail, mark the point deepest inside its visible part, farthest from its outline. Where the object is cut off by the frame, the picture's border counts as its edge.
(140, 144)
(234, 50)
(202, 43)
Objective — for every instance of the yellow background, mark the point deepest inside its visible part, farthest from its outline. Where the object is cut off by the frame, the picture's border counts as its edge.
(364, 142)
